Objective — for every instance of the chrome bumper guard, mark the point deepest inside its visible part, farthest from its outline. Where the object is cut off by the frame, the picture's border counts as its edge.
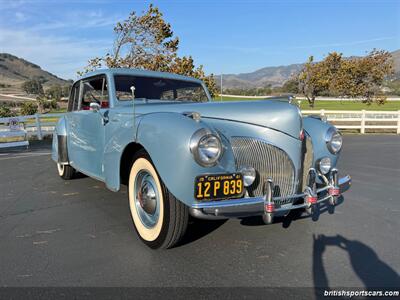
(260, 205)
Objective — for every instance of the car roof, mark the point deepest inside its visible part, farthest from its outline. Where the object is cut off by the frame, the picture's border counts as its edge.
(139, 72)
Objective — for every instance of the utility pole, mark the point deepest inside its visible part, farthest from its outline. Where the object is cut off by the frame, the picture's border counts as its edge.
(221, 87)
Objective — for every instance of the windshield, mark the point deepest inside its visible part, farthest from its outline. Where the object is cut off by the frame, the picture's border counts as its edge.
(158, 88)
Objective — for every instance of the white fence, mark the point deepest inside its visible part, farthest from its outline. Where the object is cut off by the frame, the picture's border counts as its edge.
(40, 125)
(361, 120)
(37, 125)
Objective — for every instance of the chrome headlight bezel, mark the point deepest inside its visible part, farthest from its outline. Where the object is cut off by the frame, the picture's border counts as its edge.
(201, 136)
(334, 140)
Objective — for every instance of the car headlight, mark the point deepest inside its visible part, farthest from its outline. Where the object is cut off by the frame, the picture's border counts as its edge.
(333, 140)
(249, 175)
(324, 165)
(206, 147)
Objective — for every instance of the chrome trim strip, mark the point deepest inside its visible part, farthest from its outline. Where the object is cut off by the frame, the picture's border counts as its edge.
(229, 203)
(344, 183)
(300, 205)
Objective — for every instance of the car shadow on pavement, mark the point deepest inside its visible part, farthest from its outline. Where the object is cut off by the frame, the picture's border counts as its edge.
(370, 269)
(78, 175)
(199, 228)
(293, 215)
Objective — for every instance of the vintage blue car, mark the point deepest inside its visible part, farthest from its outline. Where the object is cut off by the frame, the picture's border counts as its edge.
(181, 154)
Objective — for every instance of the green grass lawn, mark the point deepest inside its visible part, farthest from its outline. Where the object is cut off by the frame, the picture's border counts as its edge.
(350, 105)
(334, 105)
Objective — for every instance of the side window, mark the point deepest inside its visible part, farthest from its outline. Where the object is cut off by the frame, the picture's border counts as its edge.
(167, 95)
(95, 90)
(195, 93)
(73, 102)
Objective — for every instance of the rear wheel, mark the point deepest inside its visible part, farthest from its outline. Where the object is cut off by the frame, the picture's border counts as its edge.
(65, 171)
(159, 218)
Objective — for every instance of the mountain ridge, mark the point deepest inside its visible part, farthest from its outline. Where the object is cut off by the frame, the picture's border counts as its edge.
(15, 70)
(275, 75)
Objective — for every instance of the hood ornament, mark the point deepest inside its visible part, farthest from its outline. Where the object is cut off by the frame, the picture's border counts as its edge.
(193, 115)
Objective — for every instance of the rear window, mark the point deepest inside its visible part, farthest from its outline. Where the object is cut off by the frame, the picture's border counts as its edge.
(158, 88)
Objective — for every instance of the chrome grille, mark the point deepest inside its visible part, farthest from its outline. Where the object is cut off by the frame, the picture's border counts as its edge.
(269, 161)
(308, 156)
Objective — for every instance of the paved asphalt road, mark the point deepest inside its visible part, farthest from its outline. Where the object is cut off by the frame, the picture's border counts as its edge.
(78, 233)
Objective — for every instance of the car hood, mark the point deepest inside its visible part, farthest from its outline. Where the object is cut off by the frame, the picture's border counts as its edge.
(276, 115)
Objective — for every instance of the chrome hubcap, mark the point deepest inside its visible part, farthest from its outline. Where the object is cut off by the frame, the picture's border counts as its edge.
(146, 198)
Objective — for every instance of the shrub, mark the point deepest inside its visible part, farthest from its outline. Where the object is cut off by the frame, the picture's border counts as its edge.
(33, 86)
(45, 103)
(54, 92)
(6, 112)
(28, 108)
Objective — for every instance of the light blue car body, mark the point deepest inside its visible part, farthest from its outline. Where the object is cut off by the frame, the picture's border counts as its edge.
(164, 129)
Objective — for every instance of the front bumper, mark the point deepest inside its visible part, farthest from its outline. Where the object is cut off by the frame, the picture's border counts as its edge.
(254, 206)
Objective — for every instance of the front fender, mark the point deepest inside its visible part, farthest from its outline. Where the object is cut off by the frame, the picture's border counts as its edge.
(166, 137)
(317, 129)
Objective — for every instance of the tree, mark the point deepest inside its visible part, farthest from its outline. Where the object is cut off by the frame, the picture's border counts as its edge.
(45, 103)
(147, 42)
(55, 92)
(28, 108)
(315, 78)
(363, 77)
(290, 86)
(66, 90)
(359, 78)
(33, 86)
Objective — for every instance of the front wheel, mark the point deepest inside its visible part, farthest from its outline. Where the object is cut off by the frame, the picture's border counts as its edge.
(159, 218)
(65, 171)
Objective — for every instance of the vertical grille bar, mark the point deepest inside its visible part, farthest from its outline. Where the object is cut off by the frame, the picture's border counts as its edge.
(269, 161)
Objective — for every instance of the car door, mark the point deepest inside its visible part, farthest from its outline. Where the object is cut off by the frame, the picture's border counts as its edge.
(86, 127)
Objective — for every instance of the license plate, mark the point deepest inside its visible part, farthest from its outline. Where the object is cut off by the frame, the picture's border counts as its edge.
(217, 187)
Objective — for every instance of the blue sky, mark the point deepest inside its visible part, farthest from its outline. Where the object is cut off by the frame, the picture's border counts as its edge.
(224, 36)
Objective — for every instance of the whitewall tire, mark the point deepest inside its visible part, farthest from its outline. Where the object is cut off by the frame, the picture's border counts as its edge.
(159, 218)
(65, 171)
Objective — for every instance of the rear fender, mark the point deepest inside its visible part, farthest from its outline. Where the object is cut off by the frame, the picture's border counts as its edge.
(59, 151)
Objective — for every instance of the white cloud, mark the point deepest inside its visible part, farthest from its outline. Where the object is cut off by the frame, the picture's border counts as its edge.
(62, 56)
(52, 42)
(20, 16)
(78, 20)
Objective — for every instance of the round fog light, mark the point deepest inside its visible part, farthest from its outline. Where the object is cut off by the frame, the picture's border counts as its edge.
(324, 165)
(249, 175)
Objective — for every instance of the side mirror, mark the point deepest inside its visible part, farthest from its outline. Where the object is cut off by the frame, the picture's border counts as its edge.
(95, 106)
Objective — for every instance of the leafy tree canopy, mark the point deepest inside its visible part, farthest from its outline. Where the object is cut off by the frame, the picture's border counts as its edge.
(33, 86)
(360, 77)
(5, 111)
(147, 42)
(28, 108)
